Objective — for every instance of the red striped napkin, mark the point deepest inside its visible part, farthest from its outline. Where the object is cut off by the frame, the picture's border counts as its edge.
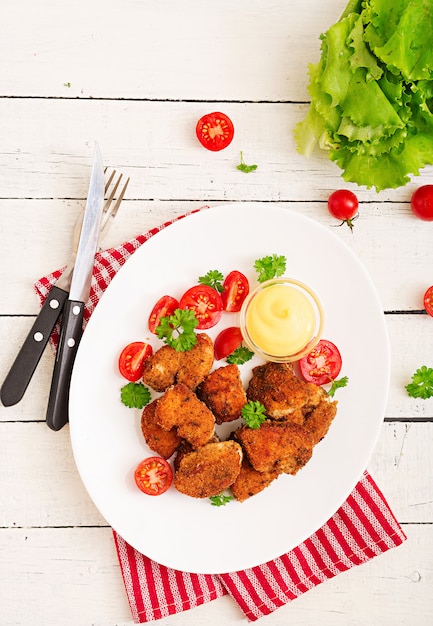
(362, 528)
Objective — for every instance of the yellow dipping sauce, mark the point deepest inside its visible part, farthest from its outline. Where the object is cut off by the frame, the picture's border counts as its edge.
(280, 320)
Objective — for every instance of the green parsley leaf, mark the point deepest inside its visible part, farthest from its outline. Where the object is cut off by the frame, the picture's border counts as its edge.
(177, 330)
(270, 267)
(253, 413)
(243, 167)
(135, 395)
(422, 383)
(220, 500)
(337, 384)
(240, 355)
(213, 279)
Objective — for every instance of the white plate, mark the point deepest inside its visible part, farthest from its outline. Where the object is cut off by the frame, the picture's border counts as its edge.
(189, 534)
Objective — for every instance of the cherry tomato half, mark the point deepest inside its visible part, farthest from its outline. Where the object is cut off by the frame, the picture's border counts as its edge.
(153, 476)
(322, 365)
(166, 305)
(205, 302)
(215, 131)
(131, 359)
(236, 289)
(422, 203)
(227, 341)
(428, 300)
(343, 205)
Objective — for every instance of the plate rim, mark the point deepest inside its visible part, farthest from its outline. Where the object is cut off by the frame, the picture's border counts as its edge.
(197, 214)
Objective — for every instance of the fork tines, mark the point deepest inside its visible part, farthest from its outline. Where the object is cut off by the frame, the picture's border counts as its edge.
(111, 207)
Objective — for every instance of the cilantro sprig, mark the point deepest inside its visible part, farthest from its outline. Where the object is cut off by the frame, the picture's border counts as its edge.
(240, 355)
(220, 500)
(338, 384)
(213, 279)
(135, 395)
(270, 266)
(254, 413)
(421, 385)
(243, 167)
(177, 330)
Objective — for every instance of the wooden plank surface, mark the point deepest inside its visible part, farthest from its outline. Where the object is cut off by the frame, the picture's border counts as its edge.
(47, 152)
(162, 50)
(136, 76)
(72, 574)
(408, 259)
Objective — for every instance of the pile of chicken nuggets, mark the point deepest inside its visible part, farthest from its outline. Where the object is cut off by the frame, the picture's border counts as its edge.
(194, 399)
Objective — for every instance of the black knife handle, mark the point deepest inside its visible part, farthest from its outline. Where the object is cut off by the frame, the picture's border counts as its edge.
(70, 336)
(21, 372)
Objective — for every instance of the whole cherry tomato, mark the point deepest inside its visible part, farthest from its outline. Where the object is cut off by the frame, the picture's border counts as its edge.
(428, 300)
(343, 205)
(422, 203)
(227, 341)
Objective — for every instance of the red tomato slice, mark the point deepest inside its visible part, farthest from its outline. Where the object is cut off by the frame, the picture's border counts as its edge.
(215, 131)
(236, 289)
(428, 300)
(206, 304)
(153, 476)
(166, 305)
(131, 360)
(227, 341)
(322, 365)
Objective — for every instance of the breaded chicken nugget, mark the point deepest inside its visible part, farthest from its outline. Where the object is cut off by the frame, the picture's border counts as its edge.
(281, 446)
(186, 448)
(250, 482)
(160, 368)
(209, 470)
(180, 408)
(223, 393)
(320, 419)
(167, 366)
(283, 394)
(163, 442)
(195, 364)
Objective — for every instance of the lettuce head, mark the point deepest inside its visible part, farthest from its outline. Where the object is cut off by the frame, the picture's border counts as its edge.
(372, 93)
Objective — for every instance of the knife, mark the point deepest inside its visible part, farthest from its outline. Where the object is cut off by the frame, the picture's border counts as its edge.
(22, 369)
(73, 310)
(27, 359)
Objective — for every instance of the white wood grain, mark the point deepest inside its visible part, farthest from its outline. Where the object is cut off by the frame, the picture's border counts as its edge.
(46, 152)
(407, 259)
(72, 577)
(136, 76)
(162, 49)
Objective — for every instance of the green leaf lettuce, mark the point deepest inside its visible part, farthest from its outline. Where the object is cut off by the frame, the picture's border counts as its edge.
(372, 93)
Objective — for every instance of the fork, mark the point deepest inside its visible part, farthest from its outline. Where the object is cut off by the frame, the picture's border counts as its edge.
(27, 359)
(108, 214)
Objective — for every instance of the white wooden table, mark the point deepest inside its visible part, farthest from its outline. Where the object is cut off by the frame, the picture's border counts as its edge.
(136, 76)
